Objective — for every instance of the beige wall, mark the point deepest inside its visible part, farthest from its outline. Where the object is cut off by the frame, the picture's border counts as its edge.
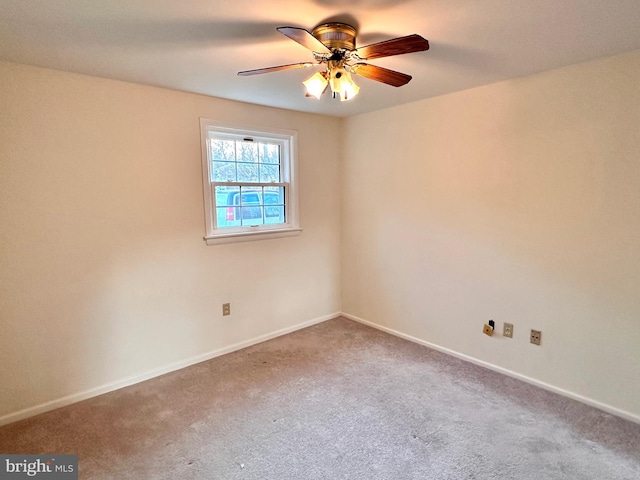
(518, 202)
(104, 273)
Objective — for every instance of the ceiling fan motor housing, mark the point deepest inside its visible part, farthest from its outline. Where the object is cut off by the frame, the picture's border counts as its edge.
(336, 36)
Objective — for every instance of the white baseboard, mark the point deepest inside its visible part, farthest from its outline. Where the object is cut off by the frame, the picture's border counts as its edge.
(574, 396)
(94, 392)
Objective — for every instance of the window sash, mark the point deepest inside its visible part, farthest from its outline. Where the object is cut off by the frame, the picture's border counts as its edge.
(219, 223)
(235, 162)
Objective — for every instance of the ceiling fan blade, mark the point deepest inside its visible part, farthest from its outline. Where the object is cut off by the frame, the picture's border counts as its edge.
(304, 38)
(379, 74)
(395, 46)
(279, 68)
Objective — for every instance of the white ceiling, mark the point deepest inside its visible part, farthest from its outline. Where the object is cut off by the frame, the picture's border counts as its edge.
(200, 45)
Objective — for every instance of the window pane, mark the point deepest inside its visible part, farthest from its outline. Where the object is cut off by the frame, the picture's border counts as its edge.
(274, 214)
(226, 195)
(251, 215)
(225, 217)
(223, 150)
(274, 195)
(269, 173)
(248, 172)
(251, 198)
(251, 195)
(224, 172)
(269, 153)
(274, 210)
(247, 152)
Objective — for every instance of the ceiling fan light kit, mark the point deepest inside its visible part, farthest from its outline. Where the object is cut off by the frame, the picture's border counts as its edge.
(334, 44)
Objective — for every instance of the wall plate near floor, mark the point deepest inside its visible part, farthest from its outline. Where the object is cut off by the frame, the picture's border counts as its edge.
(507, 330)
(535, 337)
(487, 330)
(226, 309)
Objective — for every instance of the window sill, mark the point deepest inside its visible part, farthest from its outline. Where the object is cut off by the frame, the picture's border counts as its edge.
(251, 236)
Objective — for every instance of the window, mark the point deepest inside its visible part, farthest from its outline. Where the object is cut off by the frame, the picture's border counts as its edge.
(249, 183)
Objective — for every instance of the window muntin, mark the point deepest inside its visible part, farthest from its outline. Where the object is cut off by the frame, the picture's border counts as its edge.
(249, 181)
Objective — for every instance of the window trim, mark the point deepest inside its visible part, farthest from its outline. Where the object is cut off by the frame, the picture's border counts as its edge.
(289, 141)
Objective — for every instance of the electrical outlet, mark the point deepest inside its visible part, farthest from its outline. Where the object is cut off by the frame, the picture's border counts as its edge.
(507, 330)
(226, 309)
(535, 337)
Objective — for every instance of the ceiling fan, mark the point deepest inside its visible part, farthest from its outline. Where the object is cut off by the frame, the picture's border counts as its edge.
(334, 44)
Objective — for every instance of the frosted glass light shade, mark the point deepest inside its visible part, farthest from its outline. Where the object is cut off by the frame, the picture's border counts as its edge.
(315, 84)
(342, 84)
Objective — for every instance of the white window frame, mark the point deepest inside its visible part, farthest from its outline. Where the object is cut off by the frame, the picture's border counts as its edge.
(288, 141)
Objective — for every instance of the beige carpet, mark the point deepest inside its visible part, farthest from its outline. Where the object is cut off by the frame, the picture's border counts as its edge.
(337, 400)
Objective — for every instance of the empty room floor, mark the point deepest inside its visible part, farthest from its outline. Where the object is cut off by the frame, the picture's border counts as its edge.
(335, 400)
